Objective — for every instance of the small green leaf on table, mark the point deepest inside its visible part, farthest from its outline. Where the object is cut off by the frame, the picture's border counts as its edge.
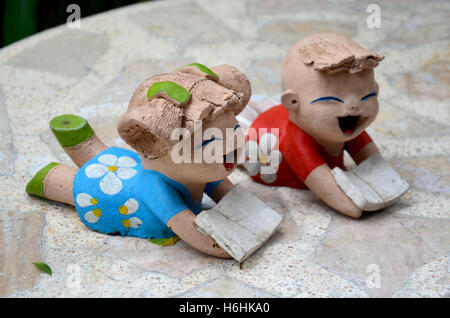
(43, 267)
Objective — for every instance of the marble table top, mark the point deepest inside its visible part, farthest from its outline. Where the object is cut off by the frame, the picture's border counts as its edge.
(92, 71)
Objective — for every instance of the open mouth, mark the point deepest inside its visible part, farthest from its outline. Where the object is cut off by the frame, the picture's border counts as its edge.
(230, 159)
(348, 124)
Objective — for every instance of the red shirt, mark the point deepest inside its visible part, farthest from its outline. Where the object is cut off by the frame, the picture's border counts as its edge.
(301, 153)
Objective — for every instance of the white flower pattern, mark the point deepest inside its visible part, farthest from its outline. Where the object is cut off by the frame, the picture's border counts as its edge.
(134, 223)
(85, 200)
(129, 207)
(113, 170)
(263, 158)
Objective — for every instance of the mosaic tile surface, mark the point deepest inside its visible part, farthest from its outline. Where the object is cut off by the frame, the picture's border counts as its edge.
(92, 72)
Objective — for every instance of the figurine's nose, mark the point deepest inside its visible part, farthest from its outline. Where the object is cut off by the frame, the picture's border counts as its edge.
(354, 108)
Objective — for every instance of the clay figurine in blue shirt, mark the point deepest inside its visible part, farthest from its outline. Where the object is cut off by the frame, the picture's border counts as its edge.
(185, 140)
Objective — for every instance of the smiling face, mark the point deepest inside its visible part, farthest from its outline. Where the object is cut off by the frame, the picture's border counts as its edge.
(331, 107)
(330, 89)
(217, 144)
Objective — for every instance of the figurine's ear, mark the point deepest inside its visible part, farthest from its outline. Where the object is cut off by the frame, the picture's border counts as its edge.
(290, 99)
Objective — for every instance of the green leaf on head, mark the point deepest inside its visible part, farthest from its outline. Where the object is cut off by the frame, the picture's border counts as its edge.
(170, 90)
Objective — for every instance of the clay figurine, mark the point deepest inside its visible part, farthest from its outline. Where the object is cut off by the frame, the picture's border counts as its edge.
(147, 193)
(329, 99)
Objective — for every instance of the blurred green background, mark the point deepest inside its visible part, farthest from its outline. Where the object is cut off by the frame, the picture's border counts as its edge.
(22, 18)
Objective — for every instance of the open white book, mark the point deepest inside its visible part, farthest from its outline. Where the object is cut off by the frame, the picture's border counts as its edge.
(240, 223)
(372, 185)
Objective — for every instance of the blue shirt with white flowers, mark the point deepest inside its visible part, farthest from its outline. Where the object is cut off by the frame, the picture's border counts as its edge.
(114, 194)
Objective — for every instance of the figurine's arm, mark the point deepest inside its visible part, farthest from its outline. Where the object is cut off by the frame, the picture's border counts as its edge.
(361, 148)
(223, 188)
(183, 225)
(322, 183)
(368, 150)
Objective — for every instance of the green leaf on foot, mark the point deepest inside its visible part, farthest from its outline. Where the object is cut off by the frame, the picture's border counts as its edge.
(70, 130)
(36, 185)
(165, 241)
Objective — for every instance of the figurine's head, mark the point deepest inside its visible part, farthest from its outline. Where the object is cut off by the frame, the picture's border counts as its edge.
(329, 86)
(167, 104)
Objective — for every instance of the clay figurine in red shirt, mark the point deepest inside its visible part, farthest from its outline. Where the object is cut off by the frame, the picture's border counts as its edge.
(329, 99)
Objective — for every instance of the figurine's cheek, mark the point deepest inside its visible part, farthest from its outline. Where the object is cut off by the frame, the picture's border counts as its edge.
(371, 109)
(325, 126)
(376, 107)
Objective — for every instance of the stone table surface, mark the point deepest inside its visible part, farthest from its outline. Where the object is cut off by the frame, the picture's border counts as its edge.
(92, 71)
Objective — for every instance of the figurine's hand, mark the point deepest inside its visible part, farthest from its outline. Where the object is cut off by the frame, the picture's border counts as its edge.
(372, 185)
(322, 183)
(223, 188)
(368, 150)
(184, 226)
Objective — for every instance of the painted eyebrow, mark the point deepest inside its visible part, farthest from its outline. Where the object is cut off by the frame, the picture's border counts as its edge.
(327, 98)
(369, 95)
(237, 126)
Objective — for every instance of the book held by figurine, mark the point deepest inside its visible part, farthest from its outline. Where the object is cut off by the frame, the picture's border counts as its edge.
(372, 185)
(240, 223)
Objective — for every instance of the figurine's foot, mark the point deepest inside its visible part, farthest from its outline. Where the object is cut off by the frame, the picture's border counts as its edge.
(70, 130)
(77, 138)
(36, 185)
(165, 241)
(53, 182)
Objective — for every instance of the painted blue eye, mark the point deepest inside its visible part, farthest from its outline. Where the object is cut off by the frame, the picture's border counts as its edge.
(369, 95)
(205, 142)
(236, 127)
(208, 141)
(327, 99)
